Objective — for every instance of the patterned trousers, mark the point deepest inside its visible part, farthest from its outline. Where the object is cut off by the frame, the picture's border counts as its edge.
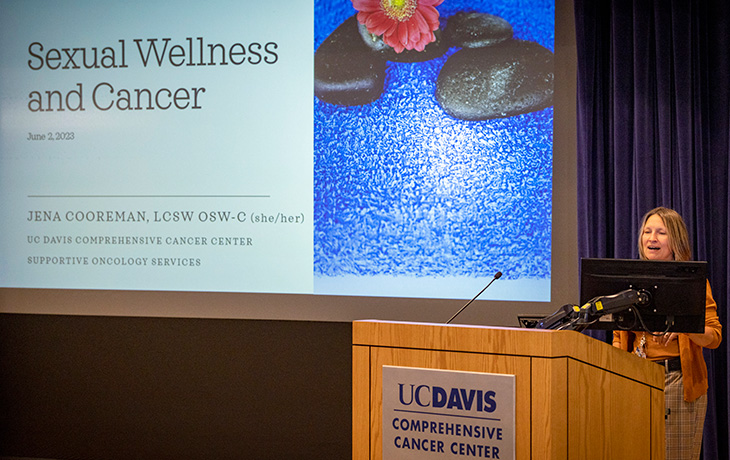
(685, 422)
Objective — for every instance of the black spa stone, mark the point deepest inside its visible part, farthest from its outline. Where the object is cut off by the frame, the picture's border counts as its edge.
(510, 78)
(346, 71)
(476, 30)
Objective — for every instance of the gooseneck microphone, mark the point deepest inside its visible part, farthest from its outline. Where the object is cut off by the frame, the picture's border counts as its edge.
(496, 277)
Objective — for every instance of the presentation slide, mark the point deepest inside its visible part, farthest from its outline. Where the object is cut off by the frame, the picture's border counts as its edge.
(335, 147)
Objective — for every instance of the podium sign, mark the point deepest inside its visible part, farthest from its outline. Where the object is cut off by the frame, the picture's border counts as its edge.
(447, 414)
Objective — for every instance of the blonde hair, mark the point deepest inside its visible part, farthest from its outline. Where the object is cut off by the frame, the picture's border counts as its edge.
(676, 228)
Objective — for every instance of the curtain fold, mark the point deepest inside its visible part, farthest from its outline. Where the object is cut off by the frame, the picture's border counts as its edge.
(654, 130)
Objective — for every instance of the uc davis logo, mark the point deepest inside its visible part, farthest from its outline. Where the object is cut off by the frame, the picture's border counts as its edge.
(436, 397)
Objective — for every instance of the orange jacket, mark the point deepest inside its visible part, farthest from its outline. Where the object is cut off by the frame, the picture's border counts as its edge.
(694, 369)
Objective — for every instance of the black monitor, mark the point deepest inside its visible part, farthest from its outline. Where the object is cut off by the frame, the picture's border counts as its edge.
(672, 293)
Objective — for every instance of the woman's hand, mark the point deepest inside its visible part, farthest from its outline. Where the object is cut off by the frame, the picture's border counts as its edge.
(665, 339)
(700, 339)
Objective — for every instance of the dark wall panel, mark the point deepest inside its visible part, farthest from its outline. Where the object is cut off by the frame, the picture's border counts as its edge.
(160, 388)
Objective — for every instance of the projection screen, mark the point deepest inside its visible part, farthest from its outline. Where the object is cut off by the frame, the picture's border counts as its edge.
(303, 160)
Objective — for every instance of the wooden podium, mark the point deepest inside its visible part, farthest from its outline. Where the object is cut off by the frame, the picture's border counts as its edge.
(576, 397)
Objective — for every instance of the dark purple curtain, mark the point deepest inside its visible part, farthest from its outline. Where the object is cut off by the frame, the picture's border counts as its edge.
(654, 130)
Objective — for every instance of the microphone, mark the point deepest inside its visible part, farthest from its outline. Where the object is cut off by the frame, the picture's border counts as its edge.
(496, 277)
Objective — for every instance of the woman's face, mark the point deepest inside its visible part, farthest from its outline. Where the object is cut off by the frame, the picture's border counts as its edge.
(655, 240)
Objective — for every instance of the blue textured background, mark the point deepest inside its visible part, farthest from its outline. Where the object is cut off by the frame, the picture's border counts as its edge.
(401, 188)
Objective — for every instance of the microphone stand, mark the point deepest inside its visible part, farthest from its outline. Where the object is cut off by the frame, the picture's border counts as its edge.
(496, 277)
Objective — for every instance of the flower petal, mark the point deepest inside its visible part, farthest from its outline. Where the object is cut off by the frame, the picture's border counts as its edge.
(430, 15)
(375, 20)
(414, 33)
(382, 27)
(430, 2)
(398, 47)
(366, 5)
(420, 20)
(391, 39)
(393, 27)
(403, 33)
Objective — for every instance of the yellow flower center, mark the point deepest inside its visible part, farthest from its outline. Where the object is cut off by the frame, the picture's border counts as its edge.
(399, 10)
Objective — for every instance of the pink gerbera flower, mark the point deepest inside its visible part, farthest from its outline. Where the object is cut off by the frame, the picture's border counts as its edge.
(404, 24)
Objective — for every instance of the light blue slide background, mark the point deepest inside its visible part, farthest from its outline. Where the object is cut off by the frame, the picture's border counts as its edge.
(248, 149)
